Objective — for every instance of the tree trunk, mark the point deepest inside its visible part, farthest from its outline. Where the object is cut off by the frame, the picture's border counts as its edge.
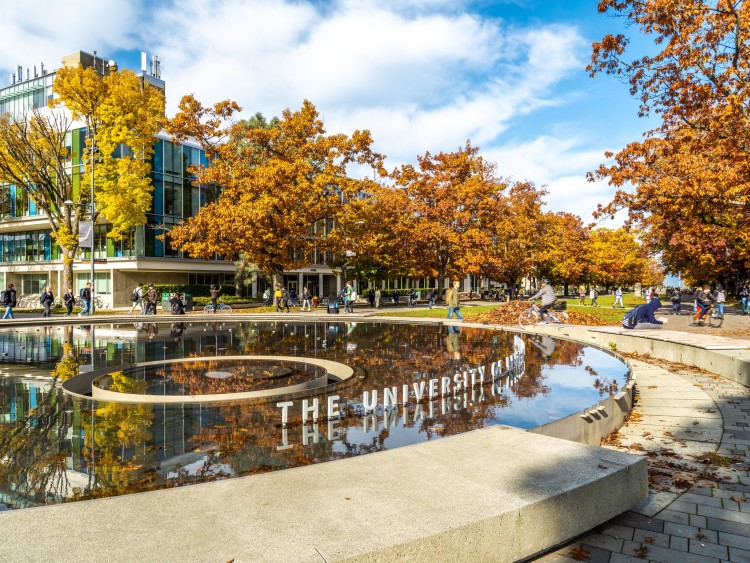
(68, 259)
(240, 275)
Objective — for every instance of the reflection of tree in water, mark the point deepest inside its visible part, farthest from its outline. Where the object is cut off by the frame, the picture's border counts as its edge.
(35, 447)
(115, 448)
(605, 386)
(69, 365)
(245, 376)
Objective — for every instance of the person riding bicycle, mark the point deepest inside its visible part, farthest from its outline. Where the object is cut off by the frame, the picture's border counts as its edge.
(704, 300)
(548, 297)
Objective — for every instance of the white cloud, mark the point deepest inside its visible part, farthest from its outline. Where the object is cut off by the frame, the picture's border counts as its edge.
(561, 166)
(421, 75)
(36, 31)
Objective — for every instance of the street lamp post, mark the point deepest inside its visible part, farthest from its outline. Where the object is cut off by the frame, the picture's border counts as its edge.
(93, 279)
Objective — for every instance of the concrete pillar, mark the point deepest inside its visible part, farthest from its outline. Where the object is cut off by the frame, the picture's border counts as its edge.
(320, 287)
(300, 285)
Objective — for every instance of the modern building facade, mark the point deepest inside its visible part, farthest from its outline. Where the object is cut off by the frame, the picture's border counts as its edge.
(30, 259)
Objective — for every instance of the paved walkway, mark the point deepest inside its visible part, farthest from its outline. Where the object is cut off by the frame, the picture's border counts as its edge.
(695, 429)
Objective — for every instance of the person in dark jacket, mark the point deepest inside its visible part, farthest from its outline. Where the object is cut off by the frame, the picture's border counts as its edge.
(9, 301)
(47, 299)
(178, 307)
(645, 318)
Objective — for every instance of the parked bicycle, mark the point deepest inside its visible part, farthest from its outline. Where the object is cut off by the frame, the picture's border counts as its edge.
(221, 308)
(533, 316)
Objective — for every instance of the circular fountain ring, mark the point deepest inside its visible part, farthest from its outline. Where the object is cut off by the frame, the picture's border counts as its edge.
(90, 385)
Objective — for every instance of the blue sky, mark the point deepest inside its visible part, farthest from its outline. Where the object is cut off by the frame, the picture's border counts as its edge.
(421, 75)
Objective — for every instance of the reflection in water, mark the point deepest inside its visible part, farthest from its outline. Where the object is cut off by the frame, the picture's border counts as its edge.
(54, 448)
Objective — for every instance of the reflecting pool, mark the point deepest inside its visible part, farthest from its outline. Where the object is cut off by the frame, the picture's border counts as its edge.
(57, 448)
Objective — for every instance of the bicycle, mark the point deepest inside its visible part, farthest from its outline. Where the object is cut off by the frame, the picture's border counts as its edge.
(715, 320)
(533, 316)
(98, 303)
(221, 308)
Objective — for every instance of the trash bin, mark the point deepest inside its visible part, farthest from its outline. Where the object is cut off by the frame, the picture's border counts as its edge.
(333, 308)
(165, 306)
(187, 298)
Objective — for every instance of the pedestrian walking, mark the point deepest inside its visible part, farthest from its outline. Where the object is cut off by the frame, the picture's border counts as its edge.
(306, 298)
(8, 300)
(152, 297)
(745, 299)
(431, 299)
(47, 299)
(721, 298)
(69, 300)
(86, 298)
(285, 298)
(581, 295)
(593, 295)
(377, 298)
(348, 298)
(453, 299)
(618, 298)
(137, 298)
(676, 299)
(371, 296)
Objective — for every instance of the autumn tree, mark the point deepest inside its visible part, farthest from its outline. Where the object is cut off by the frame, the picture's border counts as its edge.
(564, 257)
(448, 199)
(617, 258)
(690, 175)
(283, 186)
(120, 111)
(518, 234)
(34, 154)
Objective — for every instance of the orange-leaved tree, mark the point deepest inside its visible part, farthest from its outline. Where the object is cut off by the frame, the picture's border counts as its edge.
(449, 203)
(518, 233)
(282, 184)
(690, 174)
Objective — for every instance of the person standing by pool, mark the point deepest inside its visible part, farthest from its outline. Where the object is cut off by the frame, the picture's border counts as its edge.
(453, 299)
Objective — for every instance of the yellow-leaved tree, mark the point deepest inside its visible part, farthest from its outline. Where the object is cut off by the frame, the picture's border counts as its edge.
(122, 114)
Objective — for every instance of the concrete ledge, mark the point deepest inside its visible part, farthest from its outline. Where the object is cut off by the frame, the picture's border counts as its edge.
(498, 494)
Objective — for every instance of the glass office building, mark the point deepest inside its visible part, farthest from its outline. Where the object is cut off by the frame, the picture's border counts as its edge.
(30, 259)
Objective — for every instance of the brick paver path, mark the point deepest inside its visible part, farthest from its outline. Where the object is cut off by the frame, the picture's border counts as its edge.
(695, 429)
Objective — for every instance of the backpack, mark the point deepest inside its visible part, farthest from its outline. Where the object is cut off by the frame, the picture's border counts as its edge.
(134, 296)
(628, 321)
(80, 293)
(353, 296)
(4, 297)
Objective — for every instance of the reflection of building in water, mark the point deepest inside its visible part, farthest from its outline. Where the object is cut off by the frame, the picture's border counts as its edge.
(29, 344)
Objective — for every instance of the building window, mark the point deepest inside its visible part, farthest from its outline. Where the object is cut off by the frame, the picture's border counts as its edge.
(33, 283)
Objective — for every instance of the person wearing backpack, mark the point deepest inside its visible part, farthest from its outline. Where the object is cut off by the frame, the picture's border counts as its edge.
(137, 298)
(85, 295)
(643, 316)
(8, 299)
(593, 295)
(47, 299)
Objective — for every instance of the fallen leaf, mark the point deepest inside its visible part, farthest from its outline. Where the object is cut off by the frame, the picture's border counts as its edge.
(649, 539)
(640, 552)
(347, 498)
(695, 422)
(739, 499)
(579, 554)
(700, 536)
